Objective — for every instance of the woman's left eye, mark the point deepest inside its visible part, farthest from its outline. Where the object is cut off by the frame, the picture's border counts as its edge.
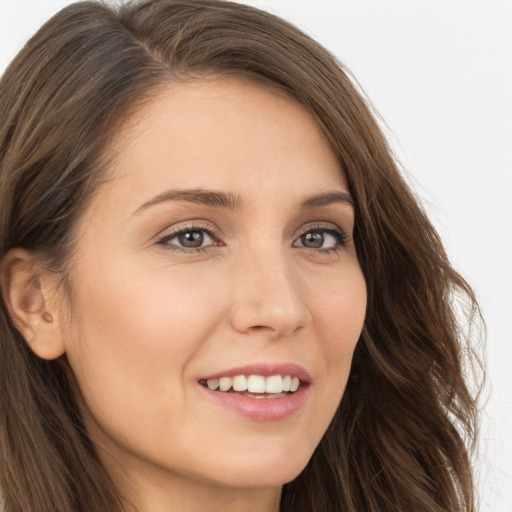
(188, 239)
(322, 239)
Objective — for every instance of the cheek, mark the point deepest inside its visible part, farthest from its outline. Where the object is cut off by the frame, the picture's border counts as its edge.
(136, 336)
(338, 313)
(340, 317)
(137, 307)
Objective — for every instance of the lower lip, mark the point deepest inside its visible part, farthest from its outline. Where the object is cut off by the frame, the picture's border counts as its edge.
(261, 409)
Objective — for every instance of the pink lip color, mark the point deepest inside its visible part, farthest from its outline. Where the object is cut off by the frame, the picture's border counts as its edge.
(262, 409)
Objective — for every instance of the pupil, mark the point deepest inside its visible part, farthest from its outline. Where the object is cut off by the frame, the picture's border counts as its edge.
(191, 239)
(313, 240)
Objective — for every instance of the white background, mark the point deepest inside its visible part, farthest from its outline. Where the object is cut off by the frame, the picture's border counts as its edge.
(440, 74)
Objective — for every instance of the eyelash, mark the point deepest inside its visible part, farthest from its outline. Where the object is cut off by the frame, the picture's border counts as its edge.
(340, 236)
(165, 239)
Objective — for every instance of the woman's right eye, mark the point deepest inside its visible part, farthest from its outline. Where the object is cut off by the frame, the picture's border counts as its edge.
(189, 239)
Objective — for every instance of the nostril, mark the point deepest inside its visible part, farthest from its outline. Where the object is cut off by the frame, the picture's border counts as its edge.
(262, 329)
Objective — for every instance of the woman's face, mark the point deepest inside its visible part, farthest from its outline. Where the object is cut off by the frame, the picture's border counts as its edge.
(222, 247)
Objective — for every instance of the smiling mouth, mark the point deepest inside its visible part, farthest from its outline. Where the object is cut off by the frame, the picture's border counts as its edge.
(255, 386)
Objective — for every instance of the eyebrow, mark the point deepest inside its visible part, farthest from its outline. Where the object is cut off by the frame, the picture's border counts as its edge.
(325, 199)
(207, 197)
(230, 201)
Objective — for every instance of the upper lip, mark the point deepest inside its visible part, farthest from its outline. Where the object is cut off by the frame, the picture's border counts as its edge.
(265, 370)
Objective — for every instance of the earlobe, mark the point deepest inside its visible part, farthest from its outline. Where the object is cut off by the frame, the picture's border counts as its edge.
(30, 294)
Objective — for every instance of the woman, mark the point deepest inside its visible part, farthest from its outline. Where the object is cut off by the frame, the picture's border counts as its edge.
(218, 292)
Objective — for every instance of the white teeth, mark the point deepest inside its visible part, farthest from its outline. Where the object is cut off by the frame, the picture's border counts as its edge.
(213, 384)
(225, 383)
(256, 384)
(272, 385)
(240, 383)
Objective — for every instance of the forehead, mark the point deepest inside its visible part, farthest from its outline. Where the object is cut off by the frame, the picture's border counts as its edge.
(223, 133)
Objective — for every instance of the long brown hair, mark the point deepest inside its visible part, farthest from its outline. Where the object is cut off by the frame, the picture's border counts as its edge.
(401, 438)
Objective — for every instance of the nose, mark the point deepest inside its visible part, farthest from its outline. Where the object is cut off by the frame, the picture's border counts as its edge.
(269, 297)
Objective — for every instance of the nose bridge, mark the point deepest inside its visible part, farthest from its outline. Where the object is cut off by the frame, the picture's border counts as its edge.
(269, 297)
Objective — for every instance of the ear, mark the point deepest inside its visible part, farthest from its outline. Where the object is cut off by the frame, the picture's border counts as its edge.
(31, 294)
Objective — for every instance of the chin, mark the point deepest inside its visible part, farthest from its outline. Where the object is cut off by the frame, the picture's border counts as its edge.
(260, 471)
